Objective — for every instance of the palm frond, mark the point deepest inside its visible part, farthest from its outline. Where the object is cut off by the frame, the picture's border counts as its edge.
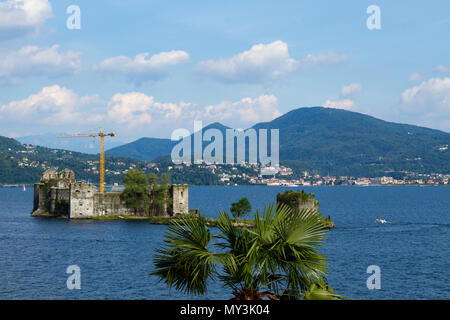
(320, 290)
(186, 262)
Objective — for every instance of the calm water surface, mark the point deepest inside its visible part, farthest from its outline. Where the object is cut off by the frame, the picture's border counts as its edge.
(412, 250)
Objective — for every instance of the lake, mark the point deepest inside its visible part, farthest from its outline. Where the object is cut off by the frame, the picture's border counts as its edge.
(412, 249)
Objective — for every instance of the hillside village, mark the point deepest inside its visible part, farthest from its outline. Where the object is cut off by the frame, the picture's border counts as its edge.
(252, 174)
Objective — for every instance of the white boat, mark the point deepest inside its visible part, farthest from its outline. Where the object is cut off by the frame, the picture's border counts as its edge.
(381, 220)
(24, 189)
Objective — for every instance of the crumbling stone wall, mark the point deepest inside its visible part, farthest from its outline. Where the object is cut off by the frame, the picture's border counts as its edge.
(51, 200)
(110, 204)
(180, 199)
(298, 200)
(81, 200)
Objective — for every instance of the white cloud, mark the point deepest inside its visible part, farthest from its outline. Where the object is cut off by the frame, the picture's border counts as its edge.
(131, 113)
(143, 67)
(263, 62)
(132, 108)
(430, 100)
(345, 104)
(430, 95)
(34, 61)
(135, 109)
(441, 69)
(350, 89)
(414, 77)
(245, 111)
(52, 105)
(18, 17)
(322, 59)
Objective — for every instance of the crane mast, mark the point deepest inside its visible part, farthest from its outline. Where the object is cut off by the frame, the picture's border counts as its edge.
(102, 136)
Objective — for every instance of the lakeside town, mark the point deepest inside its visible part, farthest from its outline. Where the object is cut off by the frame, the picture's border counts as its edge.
(284, 176)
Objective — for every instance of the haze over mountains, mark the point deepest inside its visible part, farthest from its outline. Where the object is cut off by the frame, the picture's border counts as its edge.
(337, 142)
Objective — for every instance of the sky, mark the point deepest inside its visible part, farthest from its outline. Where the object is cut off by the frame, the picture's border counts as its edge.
(145, 68)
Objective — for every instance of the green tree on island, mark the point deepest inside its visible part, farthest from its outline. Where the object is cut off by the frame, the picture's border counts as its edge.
(160, 187)
(240, 208)
(146, 194)
(278, 258)
(136, 195)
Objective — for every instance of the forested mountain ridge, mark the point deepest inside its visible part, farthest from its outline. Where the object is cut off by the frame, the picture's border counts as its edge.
(338, 142)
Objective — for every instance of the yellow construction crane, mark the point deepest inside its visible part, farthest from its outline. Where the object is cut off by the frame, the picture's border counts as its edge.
(102, 135)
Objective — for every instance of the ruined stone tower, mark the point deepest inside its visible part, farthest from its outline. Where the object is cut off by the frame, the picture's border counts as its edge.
(180, 199)
(81, 200)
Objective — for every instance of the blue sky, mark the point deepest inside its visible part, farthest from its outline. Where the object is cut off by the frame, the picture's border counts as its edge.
(145, 68)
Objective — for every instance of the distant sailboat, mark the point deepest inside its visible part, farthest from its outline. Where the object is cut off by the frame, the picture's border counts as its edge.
(24, 189)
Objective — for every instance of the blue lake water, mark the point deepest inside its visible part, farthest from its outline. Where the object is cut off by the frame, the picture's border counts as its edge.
(412, 250)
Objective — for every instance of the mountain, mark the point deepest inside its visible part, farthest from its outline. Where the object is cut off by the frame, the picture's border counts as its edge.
(143, 148)
(342, 142)
(152, 148)
(84, 145)
(338, 142)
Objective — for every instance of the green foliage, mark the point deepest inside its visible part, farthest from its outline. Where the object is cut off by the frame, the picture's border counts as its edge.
(136, 192)
(277, 258)
(147, 194)
(161, 197)
(240, 208)
(294, 198)
(152, 180)
(320, 290)
(186, 263)
(191, 175)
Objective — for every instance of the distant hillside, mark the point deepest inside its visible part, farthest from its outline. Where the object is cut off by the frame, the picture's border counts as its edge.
(21, 163)
(144, 149)
(85, 145)
(151, 148)
(339, 142)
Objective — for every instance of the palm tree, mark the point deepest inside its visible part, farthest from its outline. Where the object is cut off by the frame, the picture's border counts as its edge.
(278, 258)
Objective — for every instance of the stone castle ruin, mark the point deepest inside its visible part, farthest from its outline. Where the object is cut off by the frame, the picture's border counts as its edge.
(298, 200)
(59, 194)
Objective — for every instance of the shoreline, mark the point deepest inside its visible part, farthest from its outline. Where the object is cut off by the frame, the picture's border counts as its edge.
(211, 222)
(271, 186)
